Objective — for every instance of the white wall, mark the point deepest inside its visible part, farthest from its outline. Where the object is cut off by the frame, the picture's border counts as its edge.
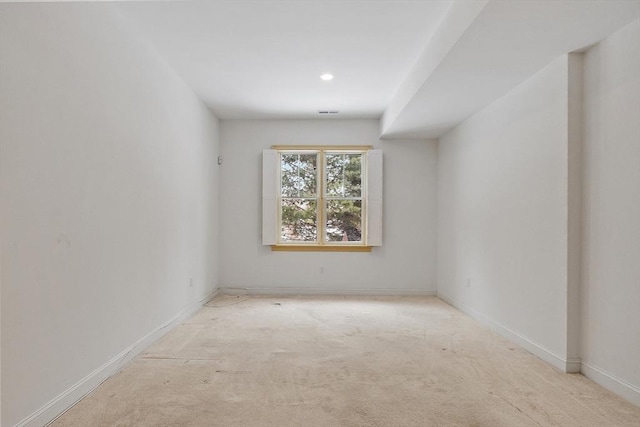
(611, 225)
(109, 197)
(404, 264)
(502, 214)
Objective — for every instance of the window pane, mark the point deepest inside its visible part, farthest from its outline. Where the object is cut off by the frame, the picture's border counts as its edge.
(344, 175)
(298, 177)
(299, 220)
(344, 221)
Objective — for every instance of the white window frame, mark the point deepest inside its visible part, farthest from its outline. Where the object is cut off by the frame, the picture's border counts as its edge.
(371, 196)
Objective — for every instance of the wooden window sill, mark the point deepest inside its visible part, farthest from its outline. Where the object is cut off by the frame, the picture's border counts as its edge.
(321, 248)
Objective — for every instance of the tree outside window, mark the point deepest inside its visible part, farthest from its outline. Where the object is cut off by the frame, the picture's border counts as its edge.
(321, 197)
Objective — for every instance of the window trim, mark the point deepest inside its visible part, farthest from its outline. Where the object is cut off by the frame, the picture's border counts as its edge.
(301, 247)
(320, 245)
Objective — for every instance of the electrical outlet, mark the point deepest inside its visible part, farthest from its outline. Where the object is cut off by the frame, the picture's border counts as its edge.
(321, 270)
(191, 282)
(468, 282)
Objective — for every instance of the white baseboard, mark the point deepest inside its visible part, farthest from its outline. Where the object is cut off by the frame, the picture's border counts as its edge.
(60, 404)
(612, 383)
(324, 292)
(572, 365)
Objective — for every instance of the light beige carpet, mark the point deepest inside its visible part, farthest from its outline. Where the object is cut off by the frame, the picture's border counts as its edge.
(342, 361)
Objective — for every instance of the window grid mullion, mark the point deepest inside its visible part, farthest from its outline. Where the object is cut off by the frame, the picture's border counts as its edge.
(321, 202)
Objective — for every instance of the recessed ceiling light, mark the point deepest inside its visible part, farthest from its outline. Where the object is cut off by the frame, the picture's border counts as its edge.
(327, 77)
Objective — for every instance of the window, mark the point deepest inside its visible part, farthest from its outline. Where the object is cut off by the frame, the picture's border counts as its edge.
(322, 198)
